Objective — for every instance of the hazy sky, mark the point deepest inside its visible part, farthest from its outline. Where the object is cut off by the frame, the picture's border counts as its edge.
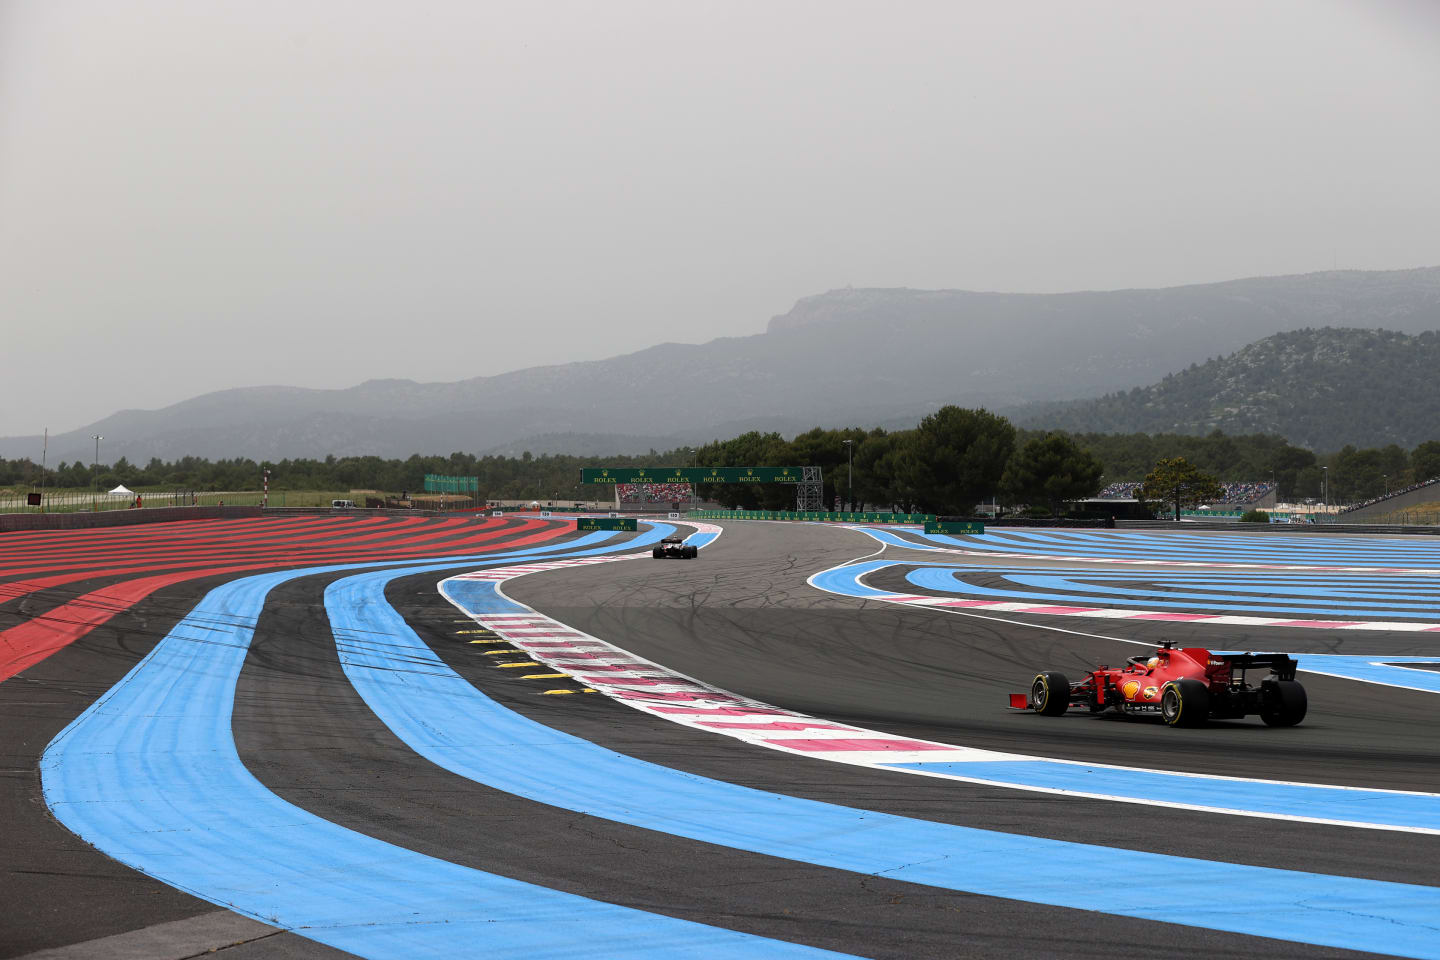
(199, 195)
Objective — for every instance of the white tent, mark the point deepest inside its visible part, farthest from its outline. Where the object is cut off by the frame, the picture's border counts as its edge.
(123, 491)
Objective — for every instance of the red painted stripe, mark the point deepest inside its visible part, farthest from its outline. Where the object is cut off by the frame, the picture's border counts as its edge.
(1176, 617)
(731, 725)
(635, 681)
(826, 746)
(30, 642)
(400, 548)
(558, 644)
(728, 711)
(673, 695)
(271, 541)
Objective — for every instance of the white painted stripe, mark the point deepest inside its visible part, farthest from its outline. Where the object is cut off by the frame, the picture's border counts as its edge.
(1063, 609)
(708, 697)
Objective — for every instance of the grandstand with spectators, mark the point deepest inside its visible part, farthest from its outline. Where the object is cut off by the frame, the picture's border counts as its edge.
(1433, 482)
(672, 495)
(1121, 490)
(1248, 493)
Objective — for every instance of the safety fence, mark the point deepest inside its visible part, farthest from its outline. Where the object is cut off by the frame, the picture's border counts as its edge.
(807, 515)
(70, 501)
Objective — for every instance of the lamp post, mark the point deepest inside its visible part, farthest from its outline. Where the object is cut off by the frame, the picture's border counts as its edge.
(94, 478)
(1325, 488)
(1387, 483)
(850, 476)
(44, 456)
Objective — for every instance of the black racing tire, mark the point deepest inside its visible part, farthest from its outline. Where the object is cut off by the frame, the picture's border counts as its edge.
(1283, 703)
(658, 553)
(1050, 694)
(691, 551)
(1185, 703)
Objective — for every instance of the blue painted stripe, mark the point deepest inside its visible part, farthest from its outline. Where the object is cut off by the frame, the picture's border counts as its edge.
(150, 775)
(458, 727)
(1376, 807)
(1374, 669)
(949, 579)
(846, 580)
(1237, 589)
(1291, 800)
(701, 539)
(894, 540)
(1190, 547)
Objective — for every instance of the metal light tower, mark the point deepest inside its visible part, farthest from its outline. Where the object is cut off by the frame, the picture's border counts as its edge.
(94, 470)
(44, 456)
(1325, 488)
(850, 477)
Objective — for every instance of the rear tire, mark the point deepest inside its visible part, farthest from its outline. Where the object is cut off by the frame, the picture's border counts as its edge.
(691, 552)
(1284, 703)
(1185, 703)
(658, 553)
(1050, 694)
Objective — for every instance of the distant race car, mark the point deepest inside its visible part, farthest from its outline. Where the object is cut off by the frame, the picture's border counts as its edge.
(675, 548)
(1185, 687)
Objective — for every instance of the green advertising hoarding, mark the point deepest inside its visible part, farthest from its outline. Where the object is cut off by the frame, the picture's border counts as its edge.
(437, 483)
(692, 475)
(945, 526)
(591, 524)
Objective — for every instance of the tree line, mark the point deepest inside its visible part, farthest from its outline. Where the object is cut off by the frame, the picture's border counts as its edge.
(957, 458)
(952, 460)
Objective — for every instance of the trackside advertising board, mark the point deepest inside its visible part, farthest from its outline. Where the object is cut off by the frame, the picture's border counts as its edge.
(954, 527)
(591, 524)
(692, 475)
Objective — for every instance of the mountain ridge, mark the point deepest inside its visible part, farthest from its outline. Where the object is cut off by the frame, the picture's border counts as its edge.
(851, 356)
(1319, 388)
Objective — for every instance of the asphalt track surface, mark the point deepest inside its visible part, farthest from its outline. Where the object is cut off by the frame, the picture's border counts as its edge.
(740, 617)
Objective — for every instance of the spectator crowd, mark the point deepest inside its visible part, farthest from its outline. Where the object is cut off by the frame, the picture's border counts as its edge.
(1235, 491)
(1122, 490)
(1392, 493)
(653, 492)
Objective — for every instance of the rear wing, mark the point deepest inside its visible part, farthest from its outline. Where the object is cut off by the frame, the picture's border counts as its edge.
(1282, 666)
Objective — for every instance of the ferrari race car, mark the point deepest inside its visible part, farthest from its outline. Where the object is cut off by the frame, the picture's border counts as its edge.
(1185, 687)
(675, 548)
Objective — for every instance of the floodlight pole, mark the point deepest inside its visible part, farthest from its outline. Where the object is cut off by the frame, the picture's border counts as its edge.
(94, 475)
(850, 477)
(44, 454)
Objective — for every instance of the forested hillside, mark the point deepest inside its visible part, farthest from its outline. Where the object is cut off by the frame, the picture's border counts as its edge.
(1318, 388)
(877, 357)
(952, 457)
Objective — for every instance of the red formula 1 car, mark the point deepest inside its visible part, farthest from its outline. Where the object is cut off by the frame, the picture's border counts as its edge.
(1185, 687)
